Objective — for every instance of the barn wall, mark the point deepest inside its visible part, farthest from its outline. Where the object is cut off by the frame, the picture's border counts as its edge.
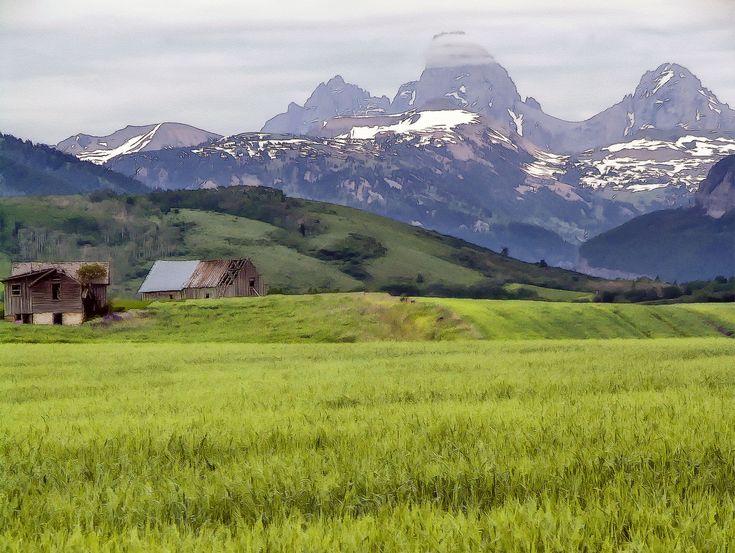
(241, 285)
(154, 296)
(200, 293)
(99, 293)
(70, 297)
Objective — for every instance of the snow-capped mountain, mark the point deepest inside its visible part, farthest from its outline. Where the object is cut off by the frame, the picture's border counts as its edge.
(671, 98)
(668, 103)
(334, 98)
(458, 150)
(444, 170)
(133, 139)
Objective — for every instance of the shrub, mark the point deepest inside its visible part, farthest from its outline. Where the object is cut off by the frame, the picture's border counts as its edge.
(91, 271)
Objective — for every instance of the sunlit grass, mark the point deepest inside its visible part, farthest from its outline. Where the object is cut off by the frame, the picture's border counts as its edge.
(511, 446)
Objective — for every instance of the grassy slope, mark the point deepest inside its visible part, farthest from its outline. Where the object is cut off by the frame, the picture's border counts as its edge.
(529, 446)
(528, 320)
(367, 317)
(553, 294)
(263, 224)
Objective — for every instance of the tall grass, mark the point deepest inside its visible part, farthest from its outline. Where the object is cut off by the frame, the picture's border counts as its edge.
(516, 446)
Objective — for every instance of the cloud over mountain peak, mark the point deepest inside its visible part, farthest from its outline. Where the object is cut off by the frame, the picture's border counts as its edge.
(455, 49)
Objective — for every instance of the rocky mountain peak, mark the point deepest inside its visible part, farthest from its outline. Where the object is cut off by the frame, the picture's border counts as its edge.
(334, 98)
(672, 98)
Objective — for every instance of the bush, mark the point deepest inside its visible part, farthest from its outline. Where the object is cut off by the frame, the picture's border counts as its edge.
(91, 271)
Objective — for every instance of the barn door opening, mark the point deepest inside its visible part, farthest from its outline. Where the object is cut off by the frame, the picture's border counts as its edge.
(58, 319)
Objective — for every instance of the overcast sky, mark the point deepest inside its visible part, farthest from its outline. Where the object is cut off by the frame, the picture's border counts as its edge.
(69, 66)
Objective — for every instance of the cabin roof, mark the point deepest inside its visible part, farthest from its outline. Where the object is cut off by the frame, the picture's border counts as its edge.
(167, 276)
(71, 268)
(35, 276)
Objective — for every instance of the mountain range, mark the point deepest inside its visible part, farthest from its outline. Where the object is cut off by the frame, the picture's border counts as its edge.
(456, 150)
(133, 139)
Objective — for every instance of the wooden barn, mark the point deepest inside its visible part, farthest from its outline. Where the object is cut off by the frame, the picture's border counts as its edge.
(216, 278)
(65, 293)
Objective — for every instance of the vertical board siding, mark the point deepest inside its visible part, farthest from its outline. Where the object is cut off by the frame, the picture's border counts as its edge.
(70, 296)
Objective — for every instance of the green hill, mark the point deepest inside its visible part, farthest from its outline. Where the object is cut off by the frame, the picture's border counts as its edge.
(677, 244)
(361, 317)
(28, 169)
(298, 245)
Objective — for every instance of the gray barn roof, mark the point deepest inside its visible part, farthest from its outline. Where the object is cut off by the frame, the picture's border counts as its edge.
(167, 276)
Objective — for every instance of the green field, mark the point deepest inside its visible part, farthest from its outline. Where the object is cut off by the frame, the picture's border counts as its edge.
(362, 317)
(360, 422)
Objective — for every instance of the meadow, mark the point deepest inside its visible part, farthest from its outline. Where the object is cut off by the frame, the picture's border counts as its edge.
(364, 317)
(421, 434)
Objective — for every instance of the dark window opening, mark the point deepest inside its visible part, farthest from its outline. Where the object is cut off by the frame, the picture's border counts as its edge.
(252, 283)
(26, 318)
(55, 290)
(58, 319)
(170, 296)
(206, 296)
(15, 289)
(19, 317)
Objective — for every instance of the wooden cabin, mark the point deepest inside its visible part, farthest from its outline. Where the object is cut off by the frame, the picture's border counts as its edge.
(65, 293)
(216, 278)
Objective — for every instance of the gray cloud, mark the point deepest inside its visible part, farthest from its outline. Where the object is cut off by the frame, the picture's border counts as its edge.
(454, 49)
(229, 65)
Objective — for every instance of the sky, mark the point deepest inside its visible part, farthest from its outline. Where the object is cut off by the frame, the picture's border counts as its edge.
(227, 66)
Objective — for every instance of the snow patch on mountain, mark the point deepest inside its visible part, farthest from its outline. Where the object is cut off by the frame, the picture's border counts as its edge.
(131, 146)
(662, 79)
(517, 121)
(441, 121)
(647, 164)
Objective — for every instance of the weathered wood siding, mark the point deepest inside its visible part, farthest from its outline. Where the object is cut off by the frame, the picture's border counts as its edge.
(200, 293)
(99, 293)
(169, 295)
(70, 296)
(17, 304)
(241, 285)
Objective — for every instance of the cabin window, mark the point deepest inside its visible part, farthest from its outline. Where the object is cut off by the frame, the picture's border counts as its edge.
(58, 318)
(15, 289)
(252, 283)
(207, 296)
(55, 290)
